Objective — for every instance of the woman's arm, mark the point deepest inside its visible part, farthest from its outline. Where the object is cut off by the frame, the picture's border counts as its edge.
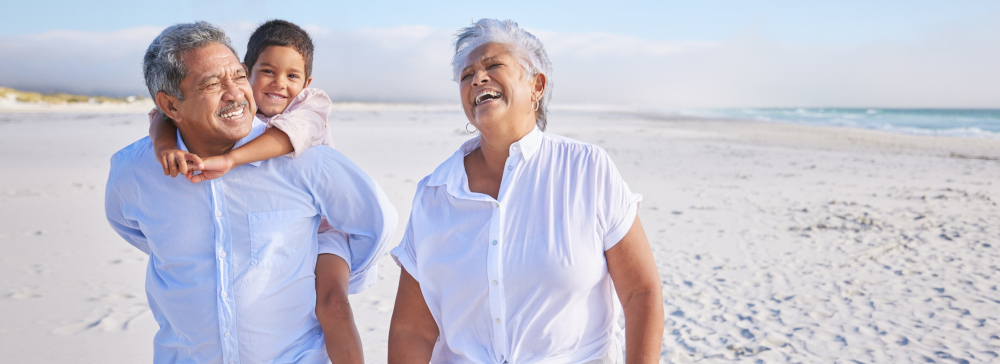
(163, 133)
(633, 270)
(343, 344)
(412, 332)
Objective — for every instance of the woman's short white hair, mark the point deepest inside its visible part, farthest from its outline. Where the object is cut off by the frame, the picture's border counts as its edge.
(523, 45)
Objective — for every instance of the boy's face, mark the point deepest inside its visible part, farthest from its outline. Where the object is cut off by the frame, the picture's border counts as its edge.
(277, 77)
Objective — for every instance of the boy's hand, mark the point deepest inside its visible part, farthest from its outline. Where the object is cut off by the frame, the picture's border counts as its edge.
(211, 168)
(178, 162)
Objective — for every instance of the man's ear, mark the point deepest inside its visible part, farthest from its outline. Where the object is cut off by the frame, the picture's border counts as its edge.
(168, 105)
(308, 81)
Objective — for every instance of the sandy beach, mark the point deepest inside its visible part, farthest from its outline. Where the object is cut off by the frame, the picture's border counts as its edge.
(775, 242)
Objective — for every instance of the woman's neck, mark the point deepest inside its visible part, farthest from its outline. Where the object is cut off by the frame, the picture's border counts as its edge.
(495, 145)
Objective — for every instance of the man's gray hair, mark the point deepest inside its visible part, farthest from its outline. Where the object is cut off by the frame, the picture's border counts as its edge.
(162, 66)
(523, 45)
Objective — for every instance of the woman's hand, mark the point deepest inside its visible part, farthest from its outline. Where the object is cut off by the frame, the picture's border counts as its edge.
(412, 332)
(637, 282)
(178, 162)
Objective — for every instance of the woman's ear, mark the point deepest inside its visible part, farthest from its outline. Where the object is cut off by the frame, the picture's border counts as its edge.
(168, 106)
(539, 87)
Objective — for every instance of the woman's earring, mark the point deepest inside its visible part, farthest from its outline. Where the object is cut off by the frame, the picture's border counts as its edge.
(467, 125)
(536, 104)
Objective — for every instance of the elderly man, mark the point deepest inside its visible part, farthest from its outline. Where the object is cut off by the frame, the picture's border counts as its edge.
(231, 266)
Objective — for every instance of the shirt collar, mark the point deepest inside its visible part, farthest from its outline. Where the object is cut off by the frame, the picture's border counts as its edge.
(256, 129)
(529, 143)
(452, 171)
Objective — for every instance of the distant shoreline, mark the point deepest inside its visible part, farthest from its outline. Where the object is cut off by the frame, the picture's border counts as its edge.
(954, 123)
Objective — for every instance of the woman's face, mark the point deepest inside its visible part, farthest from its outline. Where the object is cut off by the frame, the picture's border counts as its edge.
(495, 93)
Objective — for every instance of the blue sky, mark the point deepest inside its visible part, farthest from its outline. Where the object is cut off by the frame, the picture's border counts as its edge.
(701, 53)
(840, 22)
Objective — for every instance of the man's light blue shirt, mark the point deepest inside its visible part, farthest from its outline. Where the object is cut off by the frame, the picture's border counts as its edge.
(231, 273)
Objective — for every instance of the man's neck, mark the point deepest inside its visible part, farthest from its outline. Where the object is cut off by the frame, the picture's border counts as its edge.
(206, 148)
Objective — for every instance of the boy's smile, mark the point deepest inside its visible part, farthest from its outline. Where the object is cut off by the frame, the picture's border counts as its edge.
(276, 78)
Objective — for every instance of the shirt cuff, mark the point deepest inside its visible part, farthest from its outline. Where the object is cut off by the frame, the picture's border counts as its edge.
(360, 281)
(403, 260)
(616, 235)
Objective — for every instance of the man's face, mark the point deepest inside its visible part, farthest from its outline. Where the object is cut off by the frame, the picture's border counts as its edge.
(218, 106)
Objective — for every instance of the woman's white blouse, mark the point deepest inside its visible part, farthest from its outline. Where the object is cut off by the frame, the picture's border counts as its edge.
(523, 278)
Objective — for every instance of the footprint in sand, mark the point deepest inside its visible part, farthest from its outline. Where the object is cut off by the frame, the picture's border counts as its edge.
(113, 319)
(23, 293)
(112, 297)
(23, 193)
(113, 262)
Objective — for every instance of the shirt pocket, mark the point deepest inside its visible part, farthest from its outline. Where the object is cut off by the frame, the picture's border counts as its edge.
(276, 235)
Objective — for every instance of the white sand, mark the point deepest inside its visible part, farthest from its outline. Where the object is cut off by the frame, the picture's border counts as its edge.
(776, 243)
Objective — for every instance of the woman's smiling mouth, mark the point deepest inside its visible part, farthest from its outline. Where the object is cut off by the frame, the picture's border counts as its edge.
(487, 95)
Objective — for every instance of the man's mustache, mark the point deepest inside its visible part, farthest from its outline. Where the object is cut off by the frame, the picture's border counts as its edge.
(232, 106)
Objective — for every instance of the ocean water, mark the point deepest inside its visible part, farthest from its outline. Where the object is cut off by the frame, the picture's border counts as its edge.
(972, 123)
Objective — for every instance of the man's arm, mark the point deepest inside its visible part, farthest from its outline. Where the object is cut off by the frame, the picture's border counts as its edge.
(343, 343)
(113, 210)
(356, 206)
(363, 221)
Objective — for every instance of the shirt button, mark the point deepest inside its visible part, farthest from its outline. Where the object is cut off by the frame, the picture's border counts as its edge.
(510, 168)
(498, 321)
(514, 147)
(495, 283)
(224, 295)
(222, 254)
(218, 213)
(227, 333)
(494, 242)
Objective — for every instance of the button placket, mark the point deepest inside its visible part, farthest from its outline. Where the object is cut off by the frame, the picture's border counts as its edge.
(494, 269)
(223, 240)
(494, 265)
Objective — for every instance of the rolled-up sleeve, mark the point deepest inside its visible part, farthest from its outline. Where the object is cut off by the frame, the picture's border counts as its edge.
(333, 241)
(360, 213)
(618, 204)
(404, 254)
(305, 121)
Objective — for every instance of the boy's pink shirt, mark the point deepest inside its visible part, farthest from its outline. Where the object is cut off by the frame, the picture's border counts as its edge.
(304, 120)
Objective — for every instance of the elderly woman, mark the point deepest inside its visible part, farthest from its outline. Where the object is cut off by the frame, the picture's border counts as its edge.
(521, 245)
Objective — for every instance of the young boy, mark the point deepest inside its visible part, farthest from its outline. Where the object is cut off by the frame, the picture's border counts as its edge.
(279, 57)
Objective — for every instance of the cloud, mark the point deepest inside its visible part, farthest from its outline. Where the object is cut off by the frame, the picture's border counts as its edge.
(950, 66)
(108, 63)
